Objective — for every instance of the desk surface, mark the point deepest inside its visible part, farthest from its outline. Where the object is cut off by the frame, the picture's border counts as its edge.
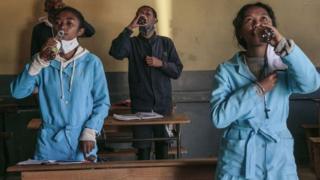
(115, 164)
(315, 140)
(174, 119)
(316, 100)
(187, 169)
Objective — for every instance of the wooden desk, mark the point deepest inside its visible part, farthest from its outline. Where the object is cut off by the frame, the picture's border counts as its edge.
(176, 119)
(110, 121)
(186, 169)
(312, 132)
(9, 105)
(315, 100)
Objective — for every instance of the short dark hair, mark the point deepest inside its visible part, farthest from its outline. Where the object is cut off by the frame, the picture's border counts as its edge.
(88, 29)
(146, 6)
(47, 2)
(238, 20)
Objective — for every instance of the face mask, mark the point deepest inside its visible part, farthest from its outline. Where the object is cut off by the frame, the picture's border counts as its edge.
(146, 30)
(68, 46)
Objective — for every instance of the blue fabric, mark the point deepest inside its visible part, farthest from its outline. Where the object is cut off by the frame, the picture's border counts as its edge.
(63, 120)
(255, 146)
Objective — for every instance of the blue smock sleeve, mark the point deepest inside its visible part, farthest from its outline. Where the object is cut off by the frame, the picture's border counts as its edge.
(24, 84)
(302, 74)
(101, 101)
(229, 105)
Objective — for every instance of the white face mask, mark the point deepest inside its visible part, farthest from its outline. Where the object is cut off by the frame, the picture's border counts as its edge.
(68, 46)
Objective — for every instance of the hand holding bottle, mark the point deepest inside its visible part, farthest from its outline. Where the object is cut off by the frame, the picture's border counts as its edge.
(137, 21)
(268, 34)
(52, 47)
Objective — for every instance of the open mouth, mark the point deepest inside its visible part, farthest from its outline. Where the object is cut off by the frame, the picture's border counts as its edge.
(253, 33)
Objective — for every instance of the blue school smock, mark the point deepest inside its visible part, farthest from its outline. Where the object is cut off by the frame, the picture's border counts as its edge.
(254, 146)
(70, 100)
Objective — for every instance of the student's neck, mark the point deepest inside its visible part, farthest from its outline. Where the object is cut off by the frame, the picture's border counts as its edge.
(70, 54)
(256, 51)
(149, 35)
(51, 18)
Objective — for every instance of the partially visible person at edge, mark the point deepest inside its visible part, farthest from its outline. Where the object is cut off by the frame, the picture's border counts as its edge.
(44, 29)
(250, 99)
(153, 62)
(73, 92)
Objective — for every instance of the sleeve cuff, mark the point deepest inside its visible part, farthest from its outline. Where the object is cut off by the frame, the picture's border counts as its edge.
(127, 31)
(259, 89)
(284, 47)
(88, 135)
(37, 64)
(164, 65)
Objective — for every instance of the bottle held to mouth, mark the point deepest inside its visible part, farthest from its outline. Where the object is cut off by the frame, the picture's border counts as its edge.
(265, 34)
(58, 38)
(56, 49)
(142, 21)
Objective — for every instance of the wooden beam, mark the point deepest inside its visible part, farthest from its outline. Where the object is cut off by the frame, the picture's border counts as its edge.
(115, 164)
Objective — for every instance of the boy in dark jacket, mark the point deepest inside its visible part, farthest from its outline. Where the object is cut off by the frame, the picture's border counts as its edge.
(153, 61)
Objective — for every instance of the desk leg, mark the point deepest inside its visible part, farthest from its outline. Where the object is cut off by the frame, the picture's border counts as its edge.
(104, 136)
(318, 103)
(5, 148)
(178, 141)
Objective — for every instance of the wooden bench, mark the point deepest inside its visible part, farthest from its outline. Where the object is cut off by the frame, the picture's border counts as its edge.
(311, 131)
(5, 152)
(315, 148)
(186, 169)
(131, 152)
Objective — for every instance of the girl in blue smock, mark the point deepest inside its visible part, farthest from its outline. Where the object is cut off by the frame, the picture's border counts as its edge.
(251, 99)
(73, 92)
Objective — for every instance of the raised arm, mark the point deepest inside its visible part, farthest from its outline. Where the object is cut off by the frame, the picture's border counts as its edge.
(303, 77)
(120, 47)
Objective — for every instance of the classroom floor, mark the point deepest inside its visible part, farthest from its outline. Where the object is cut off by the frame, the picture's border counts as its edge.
(305, 173)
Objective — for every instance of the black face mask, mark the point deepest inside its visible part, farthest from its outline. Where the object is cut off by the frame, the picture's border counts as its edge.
(146, 30)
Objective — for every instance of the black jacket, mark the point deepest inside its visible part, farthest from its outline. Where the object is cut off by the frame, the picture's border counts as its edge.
(40, 34)
(150, 88)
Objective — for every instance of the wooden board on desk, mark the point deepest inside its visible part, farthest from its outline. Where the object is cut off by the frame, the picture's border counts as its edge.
(187, 169)
(173, 119)
(110, 121)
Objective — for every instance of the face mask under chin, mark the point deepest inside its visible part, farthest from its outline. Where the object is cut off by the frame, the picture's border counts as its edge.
(68, 46)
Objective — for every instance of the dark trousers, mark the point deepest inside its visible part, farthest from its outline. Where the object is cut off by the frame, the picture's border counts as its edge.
(144, 147)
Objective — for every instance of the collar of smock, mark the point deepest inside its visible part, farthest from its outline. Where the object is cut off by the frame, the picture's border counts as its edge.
(79, 58)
